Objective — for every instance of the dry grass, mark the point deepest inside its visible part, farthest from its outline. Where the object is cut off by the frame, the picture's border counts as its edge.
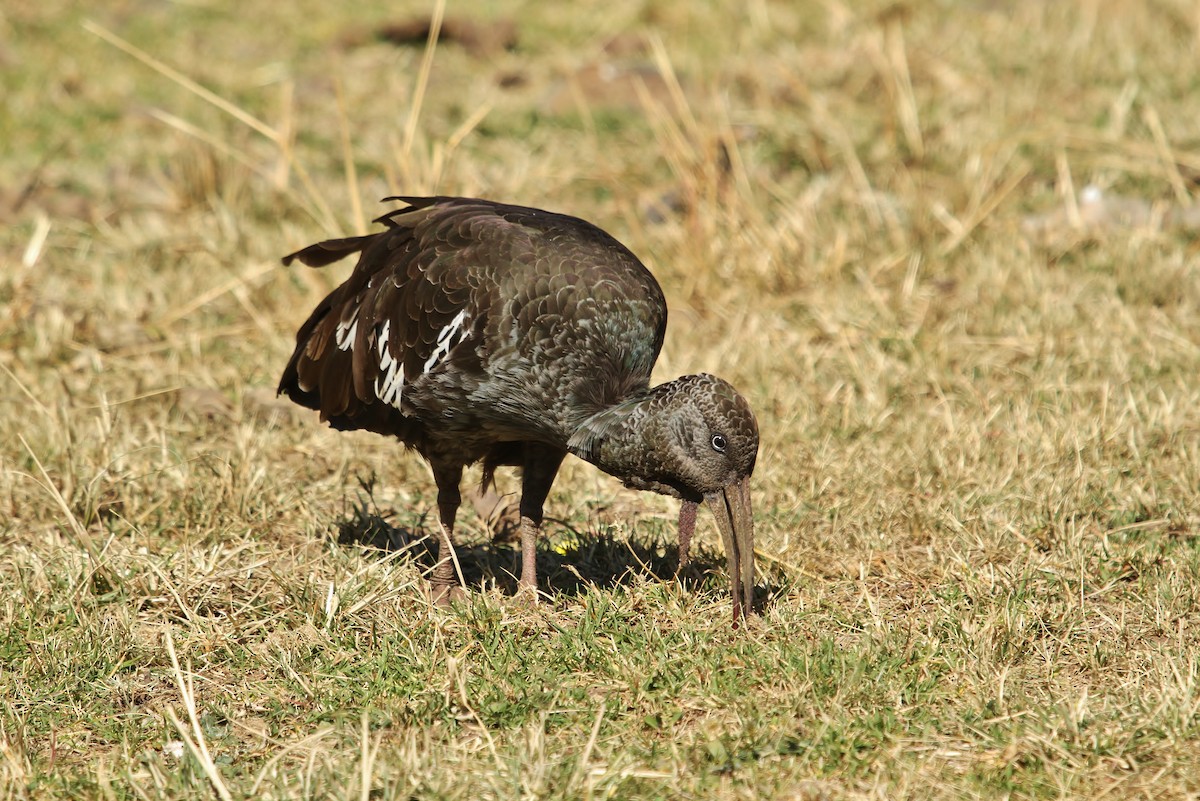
(978, 489)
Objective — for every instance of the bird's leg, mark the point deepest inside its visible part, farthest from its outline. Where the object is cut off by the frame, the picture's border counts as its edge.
(540, 468)
(445, 583)
(687, 525)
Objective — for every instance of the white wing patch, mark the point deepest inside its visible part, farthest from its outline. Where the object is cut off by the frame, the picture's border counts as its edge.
(448, 337)
(347, 331)
(389, 383)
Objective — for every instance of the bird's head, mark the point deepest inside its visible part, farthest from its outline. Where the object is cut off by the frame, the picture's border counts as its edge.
(696, 439)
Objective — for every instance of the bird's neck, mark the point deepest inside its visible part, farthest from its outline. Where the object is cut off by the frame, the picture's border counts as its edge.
(624, 440)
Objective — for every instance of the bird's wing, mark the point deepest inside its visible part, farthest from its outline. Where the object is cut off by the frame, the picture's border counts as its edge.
(454, 282)
(413, 298)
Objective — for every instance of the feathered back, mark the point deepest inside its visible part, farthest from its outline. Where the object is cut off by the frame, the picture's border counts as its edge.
(465, 308)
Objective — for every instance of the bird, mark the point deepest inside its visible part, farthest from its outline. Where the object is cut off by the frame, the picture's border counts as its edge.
(477, 331)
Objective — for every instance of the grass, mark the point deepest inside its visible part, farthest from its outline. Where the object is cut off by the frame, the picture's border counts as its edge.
(977, 491)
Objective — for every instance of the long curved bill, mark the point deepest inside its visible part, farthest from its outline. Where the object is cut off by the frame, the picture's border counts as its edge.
(731, 506)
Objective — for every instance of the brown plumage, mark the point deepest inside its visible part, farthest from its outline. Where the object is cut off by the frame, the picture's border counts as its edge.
(476, 331)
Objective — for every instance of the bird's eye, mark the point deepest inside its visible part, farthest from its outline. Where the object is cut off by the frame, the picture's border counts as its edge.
(719, 443)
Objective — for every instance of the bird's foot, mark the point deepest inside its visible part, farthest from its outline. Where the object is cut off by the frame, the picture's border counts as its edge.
(527, 595)
(683, 569)
(443, 595)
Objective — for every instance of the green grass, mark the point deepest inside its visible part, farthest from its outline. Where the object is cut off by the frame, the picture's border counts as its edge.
(977, 493)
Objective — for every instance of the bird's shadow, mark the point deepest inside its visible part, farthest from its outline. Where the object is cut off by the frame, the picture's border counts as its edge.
(570, 560)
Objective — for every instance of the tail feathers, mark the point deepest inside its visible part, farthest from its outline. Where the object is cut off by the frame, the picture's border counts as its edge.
(329, 251)
(317, 376)
(312, 341)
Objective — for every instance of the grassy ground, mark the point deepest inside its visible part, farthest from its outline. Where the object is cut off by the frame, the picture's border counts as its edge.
(978, 487)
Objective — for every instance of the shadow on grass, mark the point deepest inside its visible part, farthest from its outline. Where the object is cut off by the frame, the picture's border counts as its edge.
(569, 560)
